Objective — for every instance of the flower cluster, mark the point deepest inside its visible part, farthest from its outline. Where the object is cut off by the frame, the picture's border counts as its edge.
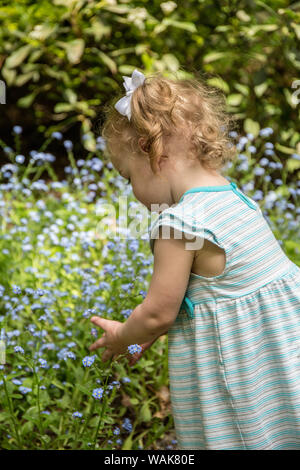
(134, 348)
(127, 424)
(88, 360)
(97, 393)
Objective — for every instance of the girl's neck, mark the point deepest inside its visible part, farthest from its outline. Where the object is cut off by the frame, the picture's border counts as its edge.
(196, 179)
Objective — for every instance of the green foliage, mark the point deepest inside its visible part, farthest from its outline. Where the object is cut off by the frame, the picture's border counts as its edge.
(67, 57)
(51, 242)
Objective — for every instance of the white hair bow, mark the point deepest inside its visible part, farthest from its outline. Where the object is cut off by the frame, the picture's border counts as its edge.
(130, 84)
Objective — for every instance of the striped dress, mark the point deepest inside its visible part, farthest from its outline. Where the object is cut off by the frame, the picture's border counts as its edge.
(234, 348)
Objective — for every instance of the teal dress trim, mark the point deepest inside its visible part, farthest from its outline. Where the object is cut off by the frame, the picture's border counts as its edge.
(225, 187)
(188, 305)
(244, 198)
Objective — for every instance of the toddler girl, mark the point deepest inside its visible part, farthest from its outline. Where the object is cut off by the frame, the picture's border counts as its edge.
(222, 287)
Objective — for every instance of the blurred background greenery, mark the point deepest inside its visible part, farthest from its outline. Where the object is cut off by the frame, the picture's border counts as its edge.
(63, 60)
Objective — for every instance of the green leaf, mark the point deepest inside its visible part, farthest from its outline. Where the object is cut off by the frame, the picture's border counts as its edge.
(145, 413)
(42, 31)
(75, 50)
(128, 443)
(70, 95)
(292, 165)
(83, 389)
(251, 126)
(93, 422)
(57, 384)
(171, 61)
(22, 79)
(79, 373)
(182, 25)
(18, 56)
(8, 75)
(46, 438)
(234, 99)
(251, 31)
(120, 9)
(26, 101)
(134, 401)
(213, 56)
(27, 427)
(90, 144)
(242, 89)
(35, 55)
(108, 62)
(64, 402)
(4, 416)
(292, 245)
(260, 89)
(284, 149)
(57, 74)
(296, 29)
(31, 413)
(63, 107)
(242, 15)
(219, 83)
(54, 429)
(98, 29)
(289, 98)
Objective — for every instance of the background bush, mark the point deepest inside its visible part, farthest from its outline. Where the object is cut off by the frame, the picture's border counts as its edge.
(62, 60)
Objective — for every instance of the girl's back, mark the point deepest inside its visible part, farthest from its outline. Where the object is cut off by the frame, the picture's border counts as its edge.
(234, 349)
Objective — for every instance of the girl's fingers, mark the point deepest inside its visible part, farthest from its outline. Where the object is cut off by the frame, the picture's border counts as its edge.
(100, 343)
(135, 358)
(108, 354)
(105, 357)
(99, 321)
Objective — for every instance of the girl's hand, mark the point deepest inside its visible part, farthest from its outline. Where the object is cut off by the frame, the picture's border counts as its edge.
(110, 339)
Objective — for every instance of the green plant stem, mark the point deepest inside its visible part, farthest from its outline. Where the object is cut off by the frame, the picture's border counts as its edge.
(88, 419)
(45, 144)
(51, 172)
(104, 403)
(76, 435)
(72, 161)
(41, 429)
(39, 406)
(17, 143)
(75, 394)
(12, 413)
(31, 163)
(284, 170)
(10, 154)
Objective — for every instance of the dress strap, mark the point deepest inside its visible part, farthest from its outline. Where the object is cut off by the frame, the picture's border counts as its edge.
(242, 196)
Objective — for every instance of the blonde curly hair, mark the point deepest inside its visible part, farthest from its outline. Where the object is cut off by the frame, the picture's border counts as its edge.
(162, 107)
